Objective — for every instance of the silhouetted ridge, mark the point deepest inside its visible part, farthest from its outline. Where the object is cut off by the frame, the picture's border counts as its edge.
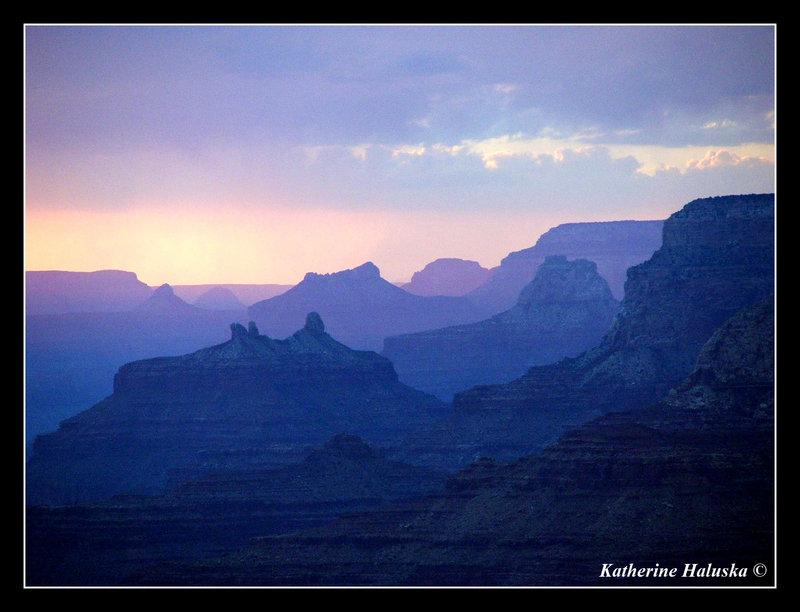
(55, 292)
(447, 276)
(164, 301)
(367, 271)
(219, 298)
(359, 307)
(251, 402)
(613, 245)
(565, 310)
(717, 257)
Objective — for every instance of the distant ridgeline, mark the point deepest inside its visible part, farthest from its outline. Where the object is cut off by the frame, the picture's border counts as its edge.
(564, 311)
(717, 257)
(251, 402)
(360, 308)
(613, 245)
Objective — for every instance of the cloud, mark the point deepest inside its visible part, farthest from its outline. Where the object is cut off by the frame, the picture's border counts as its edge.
(404, 150)
(713, 125)
(722, 158)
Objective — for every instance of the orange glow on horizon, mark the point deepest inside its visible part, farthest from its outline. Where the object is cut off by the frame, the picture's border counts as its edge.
(184, 245)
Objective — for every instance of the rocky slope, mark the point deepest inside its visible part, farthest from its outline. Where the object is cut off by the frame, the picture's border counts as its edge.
(717, 257)
(613, 245)
(360, 308)
(685, 484)
(447, 276)
(251, 402)
(103, 542)
(564, 311)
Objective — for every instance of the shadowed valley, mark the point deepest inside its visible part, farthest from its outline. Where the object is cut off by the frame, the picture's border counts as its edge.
(646, 435)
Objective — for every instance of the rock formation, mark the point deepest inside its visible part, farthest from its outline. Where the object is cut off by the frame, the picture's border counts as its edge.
(251, 402)
(613, 245)
(104, 542)
(163, 301)
(55, 292)
(247, 294)
(564, 311)
(360, 308)
(717, 257)
(219, 298)
(447, 276)
(685, 486)
(71, 358)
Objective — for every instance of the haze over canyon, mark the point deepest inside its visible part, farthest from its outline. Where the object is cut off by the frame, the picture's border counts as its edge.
(346, 431)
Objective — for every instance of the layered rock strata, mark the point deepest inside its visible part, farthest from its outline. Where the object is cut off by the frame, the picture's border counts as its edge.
(104, 542)
(564, 311)
(684, 485)
(71, 358)
(251, 402)
(717, 257)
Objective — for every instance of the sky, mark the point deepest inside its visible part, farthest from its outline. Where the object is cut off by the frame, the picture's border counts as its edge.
(210, 154)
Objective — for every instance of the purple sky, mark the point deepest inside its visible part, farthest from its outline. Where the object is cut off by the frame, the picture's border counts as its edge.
(223, 154)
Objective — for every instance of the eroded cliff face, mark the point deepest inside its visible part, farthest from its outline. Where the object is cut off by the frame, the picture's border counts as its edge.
(613, 245)
(251, 402)
(688, 482)
(717, 258)
(565, 310)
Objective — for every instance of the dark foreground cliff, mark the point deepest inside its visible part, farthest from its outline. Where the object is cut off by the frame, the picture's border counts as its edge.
(249, 403)
(686, 484)
(101, 543)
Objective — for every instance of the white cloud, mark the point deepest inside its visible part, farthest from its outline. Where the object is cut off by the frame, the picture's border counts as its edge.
(505, 88)
(725, 123)
(715, 159)
(415, 150)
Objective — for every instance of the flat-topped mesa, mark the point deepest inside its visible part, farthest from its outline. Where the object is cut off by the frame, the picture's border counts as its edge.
(447, 276)
(251, 402)
(249, 361)
(563, 281)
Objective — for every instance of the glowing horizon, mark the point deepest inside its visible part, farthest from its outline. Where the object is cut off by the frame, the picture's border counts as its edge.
(179, 249)
(256, 154)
